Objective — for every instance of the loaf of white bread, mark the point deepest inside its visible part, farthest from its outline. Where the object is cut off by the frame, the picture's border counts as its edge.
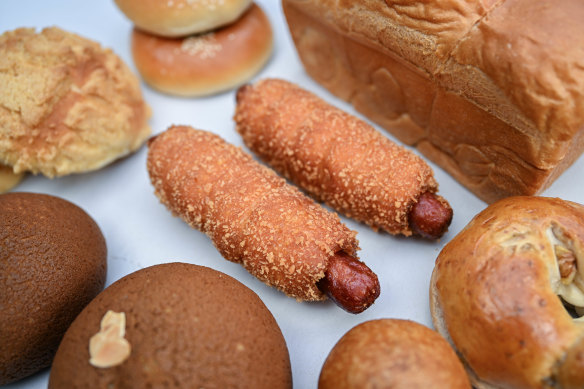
(490, 90)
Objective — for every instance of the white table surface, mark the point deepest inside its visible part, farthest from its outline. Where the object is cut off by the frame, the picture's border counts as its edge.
(140, 231)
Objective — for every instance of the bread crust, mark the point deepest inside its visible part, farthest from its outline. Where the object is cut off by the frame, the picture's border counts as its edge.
(8, 179)
(392, 353)
(208, 63)
(494, 292)
(334, 156)
(68, 105)
(187, 326)
(178, 18)
(251, 214)
(53, 262)
(492, 91)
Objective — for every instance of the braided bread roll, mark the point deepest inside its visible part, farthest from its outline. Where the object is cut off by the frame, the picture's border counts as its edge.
(252, 216)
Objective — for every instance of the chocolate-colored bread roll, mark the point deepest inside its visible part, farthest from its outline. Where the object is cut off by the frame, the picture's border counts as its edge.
(52, 264)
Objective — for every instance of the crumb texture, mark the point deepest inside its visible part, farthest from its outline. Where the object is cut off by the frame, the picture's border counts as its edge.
(252, 216)
(334, 156)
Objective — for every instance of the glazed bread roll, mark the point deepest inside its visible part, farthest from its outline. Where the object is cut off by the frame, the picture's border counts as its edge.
(509, 290)
(67, 104)
(392, 353)
(176, 18)
(492, 91)
(208, 63)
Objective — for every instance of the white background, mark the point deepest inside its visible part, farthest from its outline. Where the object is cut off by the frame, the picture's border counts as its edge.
(140, 232)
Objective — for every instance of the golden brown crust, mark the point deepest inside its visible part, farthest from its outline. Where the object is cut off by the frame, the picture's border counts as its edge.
(8, 179)
(176, 18)
(391, 353)
(252, 216)
(68, 105)
(336, 157)
(489, 90)
(495, 285)
(205, 64)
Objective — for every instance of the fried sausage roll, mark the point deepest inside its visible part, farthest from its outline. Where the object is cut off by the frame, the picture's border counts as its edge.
(255, 218)
(340, 159)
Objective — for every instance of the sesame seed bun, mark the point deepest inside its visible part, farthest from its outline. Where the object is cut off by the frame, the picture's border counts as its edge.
(176, 18)
(205, 64)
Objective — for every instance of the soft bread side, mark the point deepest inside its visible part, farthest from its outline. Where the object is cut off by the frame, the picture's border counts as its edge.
(492, 91)
(494, 293)
(441, 328)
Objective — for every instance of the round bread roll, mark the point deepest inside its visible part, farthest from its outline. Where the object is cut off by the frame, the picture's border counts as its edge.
(176, 18)
(52, 264)
(67, 105)
(205, 64)
(503, 290)
(392, 353)
(174, 325)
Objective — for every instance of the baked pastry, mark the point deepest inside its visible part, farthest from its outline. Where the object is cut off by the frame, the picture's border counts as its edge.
(340, 159)
(256, 219)
(392, 353)
(208, 63)
(175, 325)
(52, 264)
(8, 179)
(67, 106)
(492, 91)
(507, 291)
(176, 18)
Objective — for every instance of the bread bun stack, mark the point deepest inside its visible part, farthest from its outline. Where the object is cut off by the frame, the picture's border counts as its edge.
(68, 105)
(196, 48)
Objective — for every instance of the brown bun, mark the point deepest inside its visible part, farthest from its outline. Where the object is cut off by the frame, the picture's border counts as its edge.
(52, 264)
(205, 64)
(176, 18)
(187, 326)
(391, 353)
(494, 293)
(492, 91)
(67, 104)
